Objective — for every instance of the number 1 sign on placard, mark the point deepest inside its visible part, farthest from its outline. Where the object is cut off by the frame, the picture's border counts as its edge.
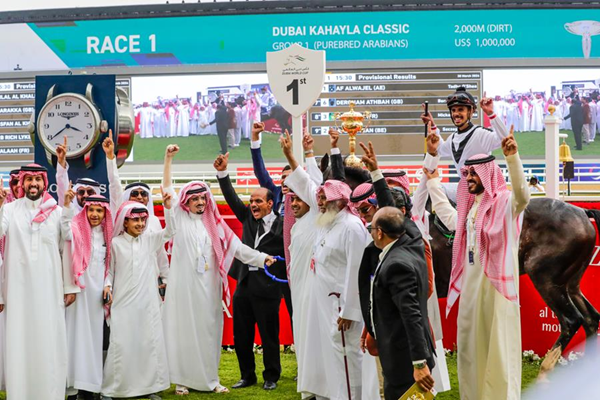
(296, 77)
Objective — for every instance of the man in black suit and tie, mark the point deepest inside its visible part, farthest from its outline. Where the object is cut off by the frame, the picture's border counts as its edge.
(397, 315)
(257, 297)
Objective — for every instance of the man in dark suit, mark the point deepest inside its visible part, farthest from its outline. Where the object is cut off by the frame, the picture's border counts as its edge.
(257, 297)
(223, 125)
(397, 315)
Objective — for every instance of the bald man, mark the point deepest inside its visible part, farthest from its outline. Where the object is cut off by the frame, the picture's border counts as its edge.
(257, 297)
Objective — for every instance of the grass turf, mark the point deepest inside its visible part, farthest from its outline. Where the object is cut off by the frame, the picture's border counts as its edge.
(205, 148)
(286, 390)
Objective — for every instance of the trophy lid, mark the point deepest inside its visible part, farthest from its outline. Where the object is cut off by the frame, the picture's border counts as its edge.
(352, 114)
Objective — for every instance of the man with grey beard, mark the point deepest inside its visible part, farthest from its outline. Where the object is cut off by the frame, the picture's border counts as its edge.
(337, 253)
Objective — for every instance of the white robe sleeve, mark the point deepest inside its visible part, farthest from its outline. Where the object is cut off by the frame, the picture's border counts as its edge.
(159, 238)
(519, 186)
(62, 182)
(66, 218)
(355, 245)
(313, 170)
(303, 186)
(419, 198)
(492, 140)
(247, 255)
(108, 281)
(441, 204)
(4, 219)
(115, 188)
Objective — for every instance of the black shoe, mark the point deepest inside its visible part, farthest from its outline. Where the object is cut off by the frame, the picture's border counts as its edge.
(244, 383)
(269, 385)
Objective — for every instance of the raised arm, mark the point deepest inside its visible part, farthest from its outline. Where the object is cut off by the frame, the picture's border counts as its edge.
(492, 139)
(310, 163)
(159, 238)
(227, 189)
(335, 156)
(170, 153)
(519, 186)
(115, 189)
(62, 171)
(440, 202)
(298, 181)
(67, 214)
(383, 194)
(258, 165)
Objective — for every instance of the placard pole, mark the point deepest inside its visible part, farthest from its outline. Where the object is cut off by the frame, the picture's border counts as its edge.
(297, 139)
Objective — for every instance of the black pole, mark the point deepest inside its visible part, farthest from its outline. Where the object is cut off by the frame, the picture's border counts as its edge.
(425, 129)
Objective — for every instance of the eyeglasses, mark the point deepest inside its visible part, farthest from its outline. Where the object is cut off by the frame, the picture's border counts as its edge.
(467, 172)
(83, 192)
(364, 209)
(370, 228)
(136, 193)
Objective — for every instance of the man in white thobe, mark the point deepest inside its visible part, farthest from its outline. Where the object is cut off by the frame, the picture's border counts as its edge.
(137, 192)
(87, 255)
(536, 123)
(486, 272)
(202, 252)
(183, 119)
(337, 253)
(136, 362)
(35, 292)
(302, 279)
(146, 120)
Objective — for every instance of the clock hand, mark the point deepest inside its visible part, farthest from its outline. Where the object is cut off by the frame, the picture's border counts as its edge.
(75, 129)
(58, 133)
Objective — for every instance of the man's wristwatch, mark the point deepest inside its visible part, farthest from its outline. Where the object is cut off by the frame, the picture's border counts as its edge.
(419, 365)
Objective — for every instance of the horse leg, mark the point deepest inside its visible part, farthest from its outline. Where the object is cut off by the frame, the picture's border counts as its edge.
(588, 311)
(558, 299)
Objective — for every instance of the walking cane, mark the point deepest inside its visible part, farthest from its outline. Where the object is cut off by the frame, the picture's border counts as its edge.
(348, 379)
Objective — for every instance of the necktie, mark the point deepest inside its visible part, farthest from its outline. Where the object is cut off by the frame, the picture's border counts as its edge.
(261, 229)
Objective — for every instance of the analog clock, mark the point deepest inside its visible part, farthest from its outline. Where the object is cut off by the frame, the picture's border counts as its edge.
(69, 115)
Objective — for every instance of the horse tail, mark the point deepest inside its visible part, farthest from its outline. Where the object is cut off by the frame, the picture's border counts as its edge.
(593, 214)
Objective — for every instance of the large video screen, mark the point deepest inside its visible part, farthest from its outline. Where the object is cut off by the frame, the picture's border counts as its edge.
(182, 109)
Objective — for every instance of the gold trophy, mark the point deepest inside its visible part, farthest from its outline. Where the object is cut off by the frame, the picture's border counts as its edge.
(352, 124)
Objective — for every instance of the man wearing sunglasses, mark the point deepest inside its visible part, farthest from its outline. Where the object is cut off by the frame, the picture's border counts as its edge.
(485, 272)
(83, 187)
(137, 192)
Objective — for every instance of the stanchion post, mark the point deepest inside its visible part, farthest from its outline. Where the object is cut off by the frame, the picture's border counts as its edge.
(552, 156)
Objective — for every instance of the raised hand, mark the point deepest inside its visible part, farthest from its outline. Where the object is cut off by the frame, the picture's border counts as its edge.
(307, 142)
(430, 174)
(3, 194)
(334, 135)
(369, 157)
(166, 199)
(432, 141)
(486, 104)
(220, 163)
(69, 195)
(171, 151)
(286, 144)
(509, 144)
(109, 146)
(61, 153)
(426, 118)
(256, 130)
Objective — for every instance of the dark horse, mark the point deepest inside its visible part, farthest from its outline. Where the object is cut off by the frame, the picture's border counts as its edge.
(556, 244)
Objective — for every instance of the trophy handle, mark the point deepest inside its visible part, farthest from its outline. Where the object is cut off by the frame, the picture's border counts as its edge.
(336, 118)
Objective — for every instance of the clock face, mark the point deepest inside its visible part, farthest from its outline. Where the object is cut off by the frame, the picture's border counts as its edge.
(72, 116)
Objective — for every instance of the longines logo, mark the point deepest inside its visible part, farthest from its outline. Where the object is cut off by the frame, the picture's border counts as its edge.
(69, 114)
